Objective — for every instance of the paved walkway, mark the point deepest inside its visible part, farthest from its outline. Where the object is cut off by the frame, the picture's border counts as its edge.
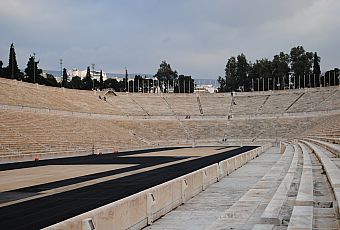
(206, 209)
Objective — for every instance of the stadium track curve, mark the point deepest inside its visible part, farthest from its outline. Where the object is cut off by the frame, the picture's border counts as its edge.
(47, 210)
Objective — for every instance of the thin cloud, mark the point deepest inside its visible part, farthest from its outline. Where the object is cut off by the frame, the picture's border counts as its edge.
(195, 36)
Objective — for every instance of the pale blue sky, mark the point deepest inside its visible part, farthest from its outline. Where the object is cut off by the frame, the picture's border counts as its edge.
(195, 36)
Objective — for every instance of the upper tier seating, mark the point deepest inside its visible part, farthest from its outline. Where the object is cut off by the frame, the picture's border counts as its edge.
(37, 96)
(40, 119)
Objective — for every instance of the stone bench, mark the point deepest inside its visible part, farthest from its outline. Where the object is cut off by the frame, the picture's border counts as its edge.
(333, 148)
(332, 171)
(305, 192)
(263, 227)
(271, 214)
(302, 218)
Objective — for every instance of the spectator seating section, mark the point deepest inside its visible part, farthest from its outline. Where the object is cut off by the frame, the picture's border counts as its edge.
(40, 119)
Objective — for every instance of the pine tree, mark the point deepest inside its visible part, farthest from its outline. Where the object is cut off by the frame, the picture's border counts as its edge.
(88, 72)
(64, 81)
(1, 69)
(242, 69)
(316, 65)
(165, 73)
(101, 83)
(316, 70)
(32, 72)
(221, 81)
(87, 82)
(280, 68)
(231, 75)
(12, 71)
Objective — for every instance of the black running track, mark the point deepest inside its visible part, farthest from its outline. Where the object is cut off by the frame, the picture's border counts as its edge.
(45, 211)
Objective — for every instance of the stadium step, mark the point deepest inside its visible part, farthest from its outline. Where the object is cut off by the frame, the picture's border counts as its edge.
(331, 168)
(333, 148)
(273, 213)
(234, 199)
(326, 203)
(283, 198)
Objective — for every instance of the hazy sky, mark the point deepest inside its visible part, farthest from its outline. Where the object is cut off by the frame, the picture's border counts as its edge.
(195, 36)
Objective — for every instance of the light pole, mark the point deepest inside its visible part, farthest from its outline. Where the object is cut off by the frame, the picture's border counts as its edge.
(61, 71)
(93, 65)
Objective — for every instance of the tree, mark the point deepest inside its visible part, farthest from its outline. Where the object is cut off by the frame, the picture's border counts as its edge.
(297, 58)
(230, 74)
(266, 75)
(111, 83)
(242, 68)
(223, 87)
(87, 81)
(261, 74)
(50, 80)
(101, 83)
(280, 68)
(137, 84)
(236, 73)
(95, 83)
(12, 70)
(316, 70)
(301, 64)
(75, 83)
(65, 77)
(331, 77)
(165, 73)
(88, 72)
(185, 84)
(1, 69)
(166, 76)
(33, 74)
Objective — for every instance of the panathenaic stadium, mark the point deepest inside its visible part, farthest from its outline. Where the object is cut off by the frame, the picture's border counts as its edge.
(88, 160)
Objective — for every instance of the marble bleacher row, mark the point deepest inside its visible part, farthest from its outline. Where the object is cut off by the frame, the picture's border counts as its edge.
(143, 120)
(327, 130)
(33, 133)
(250, 129)
(309, 100)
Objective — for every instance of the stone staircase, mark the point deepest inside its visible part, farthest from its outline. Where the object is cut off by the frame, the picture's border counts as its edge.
(273, 191)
